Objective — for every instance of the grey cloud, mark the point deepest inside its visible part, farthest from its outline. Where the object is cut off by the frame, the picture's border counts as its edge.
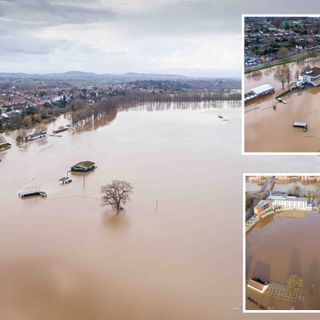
(207, 16)
(26, 43)
(16, 38)
(177, 17)
(21, 20)
(50, 12)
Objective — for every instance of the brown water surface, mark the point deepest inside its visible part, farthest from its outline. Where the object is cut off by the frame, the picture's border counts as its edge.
(66, 257)
(268, 130)
(282, 245)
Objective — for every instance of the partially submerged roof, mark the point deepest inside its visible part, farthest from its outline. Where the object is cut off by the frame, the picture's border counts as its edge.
(257, 285)
(64, 179)
(3, 141)
(262, 89)
(85, 163)
(299, 123)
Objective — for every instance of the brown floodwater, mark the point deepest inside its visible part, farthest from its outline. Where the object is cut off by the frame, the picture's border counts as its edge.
(66, 257)
(285, 244)
(268, 130)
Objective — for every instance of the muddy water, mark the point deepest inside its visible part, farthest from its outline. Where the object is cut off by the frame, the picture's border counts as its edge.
(284, 245)
(66, 257)
(268, 130)
(257, 78)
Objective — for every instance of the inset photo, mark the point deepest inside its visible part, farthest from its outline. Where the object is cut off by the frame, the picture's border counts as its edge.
(281, 243)
(281, 84)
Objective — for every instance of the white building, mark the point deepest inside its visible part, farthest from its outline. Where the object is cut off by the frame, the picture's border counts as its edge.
(289, 202)
(311, 76)
(258, 92)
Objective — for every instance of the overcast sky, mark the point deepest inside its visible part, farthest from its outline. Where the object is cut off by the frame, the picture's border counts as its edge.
(191, 37)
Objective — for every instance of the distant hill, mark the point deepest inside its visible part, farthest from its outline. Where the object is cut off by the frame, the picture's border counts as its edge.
(79, 75)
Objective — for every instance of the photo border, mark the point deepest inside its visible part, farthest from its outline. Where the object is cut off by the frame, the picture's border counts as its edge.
(244, 310)
(271, 153)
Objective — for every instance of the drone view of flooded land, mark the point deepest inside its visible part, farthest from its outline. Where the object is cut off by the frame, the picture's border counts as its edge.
(64, 256)
(67, 257)
(281, 85)
(282, 240)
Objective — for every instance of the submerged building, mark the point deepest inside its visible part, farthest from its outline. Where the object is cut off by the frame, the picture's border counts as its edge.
(4, 145)
(83, 166)
(258, 285)
(35, 136)
(258, 92)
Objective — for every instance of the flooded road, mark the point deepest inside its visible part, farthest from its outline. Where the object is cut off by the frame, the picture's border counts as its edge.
(268, 130)
(66, 257)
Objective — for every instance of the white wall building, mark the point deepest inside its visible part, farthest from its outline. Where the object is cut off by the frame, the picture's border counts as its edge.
(289, 202)
(311, 76)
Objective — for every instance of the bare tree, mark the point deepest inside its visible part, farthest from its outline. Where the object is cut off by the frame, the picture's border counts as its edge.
(282, 74)
(116, 193)
(288, 76)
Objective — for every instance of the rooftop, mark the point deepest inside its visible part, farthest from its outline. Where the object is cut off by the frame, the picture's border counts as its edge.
(257, 285)
(84, 164)
(286, 197)
(262, 89)
(262, 203)
(313, 72)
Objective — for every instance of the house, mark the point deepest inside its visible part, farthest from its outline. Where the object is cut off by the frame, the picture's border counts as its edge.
(83, 166)
(310, 76)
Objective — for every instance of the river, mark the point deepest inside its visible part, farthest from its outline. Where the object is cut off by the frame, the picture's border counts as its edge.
(66, 257)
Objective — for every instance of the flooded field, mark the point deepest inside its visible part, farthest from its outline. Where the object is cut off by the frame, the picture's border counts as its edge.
(268, 130)
(66, 257)
(286, 243)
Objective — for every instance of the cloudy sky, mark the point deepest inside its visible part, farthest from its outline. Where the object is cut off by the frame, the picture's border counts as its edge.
(191, 37)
